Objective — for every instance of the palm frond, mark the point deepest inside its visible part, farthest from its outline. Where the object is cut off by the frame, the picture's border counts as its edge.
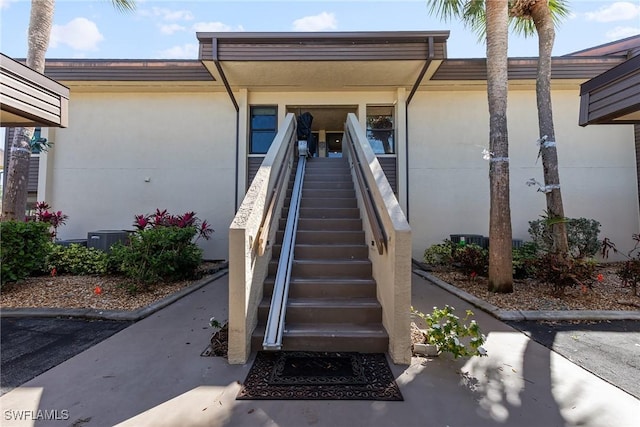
(524, 26)
(124, 5)
(446, 9)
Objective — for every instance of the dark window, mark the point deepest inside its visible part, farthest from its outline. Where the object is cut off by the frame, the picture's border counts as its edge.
(380, 129)
(264, 126)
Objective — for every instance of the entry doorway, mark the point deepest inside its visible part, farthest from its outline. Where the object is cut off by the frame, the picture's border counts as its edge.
(327, 126)
(334, 144)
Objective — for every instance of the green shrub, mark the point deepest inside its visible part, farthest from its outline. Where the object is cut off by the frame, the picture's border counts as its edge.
(446, 331)
(562, 272)
(439, 254)
(629, 272)
(582, 236)
(25, 246)
(77, 259)
(524, 259)
(472, 259)
(158, 254)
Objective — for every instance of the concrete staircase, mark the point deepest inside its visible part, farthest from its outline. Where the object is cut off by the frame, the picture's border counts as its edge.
(332, 302)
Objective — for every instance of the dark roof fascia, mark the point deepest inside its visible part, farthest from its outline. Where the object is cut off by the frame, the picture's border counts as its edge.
(334, 36)
(321, 46)
(616, 48)
(616, 73)
(20, 69)
(127, 70)
(526, 68)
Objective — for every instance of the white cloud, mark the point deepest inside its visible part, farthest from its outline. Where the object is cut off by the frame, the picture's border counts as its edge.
(171, 28)
(5, 3)
(321, 22)
(622, 32)
(168, 14)
(214, 27)
(618, 11)
(187, 51)
(79, 34)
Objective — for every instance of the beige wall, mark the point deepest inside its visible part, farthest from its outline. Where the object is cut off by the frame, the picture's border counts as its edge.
(184, 144)
(448, 179)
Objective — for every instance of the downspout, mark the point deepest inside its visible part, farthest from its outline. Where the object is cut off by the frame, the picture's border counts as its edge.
(430, 56)
(216, 61)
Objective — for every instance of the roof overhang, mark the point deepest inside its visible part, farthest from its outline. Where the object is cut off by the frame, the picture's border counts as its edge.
(329, 61)
(28, 98)
(613, 96)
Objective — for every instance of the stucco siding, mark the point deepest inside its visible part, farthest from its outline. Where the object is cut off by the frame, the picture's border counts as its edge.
(128, 154)
(448, 178)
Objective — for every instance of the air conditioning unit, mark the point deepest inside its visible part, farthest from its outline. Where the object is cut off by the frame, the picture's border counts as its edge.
(104, 239)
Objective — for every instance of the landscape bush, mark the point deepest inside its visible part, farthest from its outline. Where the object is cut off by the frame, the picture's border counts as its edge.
(440, 254)
(561, 272)
(471, 259)
(629, 272)
(162, 249)
(448, 333)
(582, 236)
(25, 246)
(77, 260)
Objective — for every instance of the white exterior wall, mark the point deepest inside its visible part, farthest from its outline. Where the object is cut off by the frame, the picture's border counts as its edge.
(448, 178)
(183, 143)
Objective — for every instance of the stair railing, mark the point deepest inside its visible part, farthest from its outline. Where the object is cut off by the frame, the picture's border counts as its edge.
(250, 233)
(277, 311)
(377, 229)
(386, 226)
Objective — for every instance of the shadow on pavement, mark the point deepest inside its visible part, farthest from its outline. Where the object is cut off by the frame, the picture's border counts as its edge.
(608, 349)
(31, 346)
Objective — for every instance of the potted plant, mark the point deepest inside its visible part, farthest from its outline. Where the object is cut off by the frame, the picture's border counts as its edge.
(445, 332)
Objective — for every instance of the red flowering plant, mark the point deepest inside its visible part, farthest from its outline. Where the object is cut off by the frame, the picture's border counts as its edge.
(54, 218)
(161, 218)
(163, 248)
(629, 273)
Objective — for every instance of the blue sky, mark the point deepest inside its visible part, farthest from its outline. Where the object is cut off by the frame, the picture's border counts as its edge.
(166, 29)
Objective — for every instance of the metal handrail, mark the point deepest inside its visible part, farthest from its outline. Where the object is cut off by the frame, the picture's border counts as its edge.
(275, 323)
(377, 229)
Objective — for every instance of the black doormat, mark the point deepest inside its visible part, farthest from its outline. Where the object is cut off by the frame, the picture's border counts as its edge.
(302, 375)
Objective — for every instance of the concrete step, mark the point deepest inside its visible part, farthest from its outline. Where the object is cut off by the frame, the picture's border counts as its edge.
(326, 310)
(360, 268)
(328, 193)
(328, 202)
(326, 224)
(308, 251)
(364, 338)
(325, 212)
(325, 237)
(328, 287)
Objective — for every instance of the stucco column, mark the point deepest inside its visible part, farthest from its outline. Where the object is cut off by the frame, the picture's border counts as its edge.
(401, 147)
(243, 129)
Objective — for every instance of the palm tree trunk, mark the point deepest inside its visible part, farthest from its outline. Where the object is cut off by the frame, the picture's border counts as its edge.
(15, 195)
(542, 19)
(500, 237)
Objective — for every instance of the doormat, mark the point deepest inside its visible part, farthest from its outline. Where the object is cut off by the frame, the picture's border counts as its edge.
(303, 375)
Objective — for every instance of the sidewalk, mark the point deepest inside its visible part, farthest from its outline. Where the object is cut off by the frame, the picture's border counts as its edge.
(152, 374)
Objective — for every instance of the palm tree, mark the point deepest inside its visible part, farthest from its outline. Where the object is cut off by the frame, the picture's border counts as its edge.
(40, 22)
(493, 15)
(541, 16)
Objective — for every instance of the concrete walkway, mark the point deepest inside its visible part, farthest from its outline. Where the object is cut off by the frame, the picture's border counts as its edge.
(152, 374)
